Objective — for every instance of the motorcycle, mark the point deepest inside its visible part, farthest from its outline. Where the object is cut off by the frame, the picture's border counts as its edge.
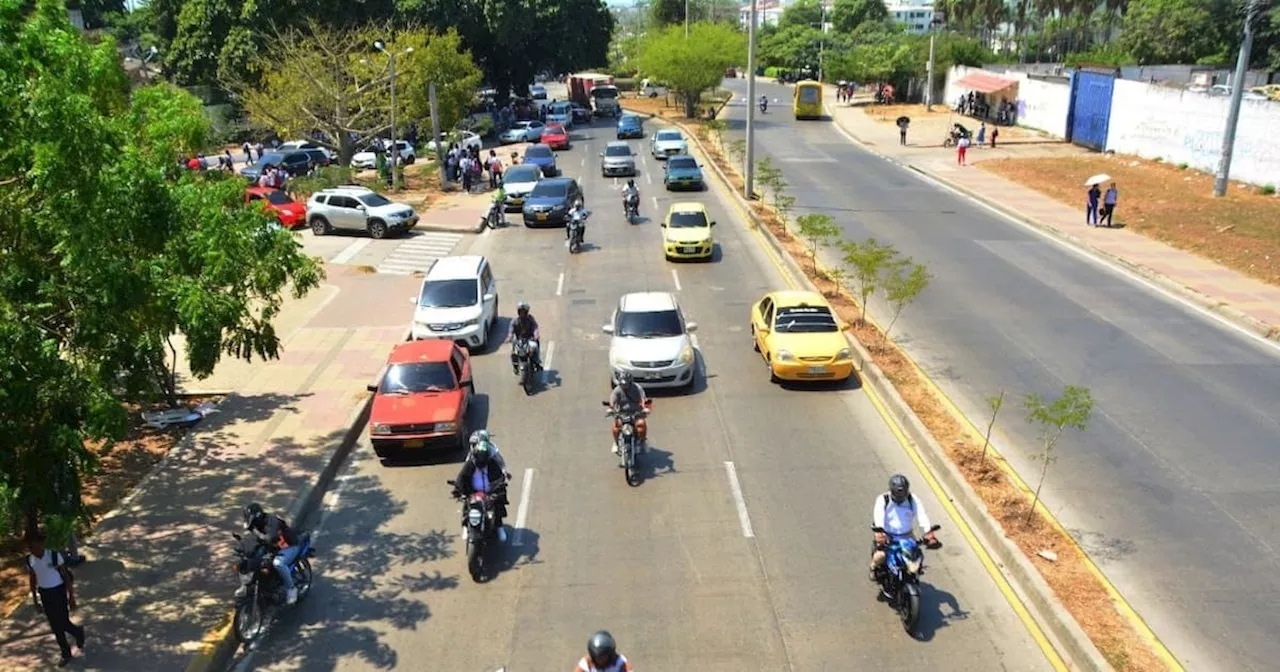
(764, 107)
(481, 528)
(628, 442)
(261, 591)
(631, 208)
(494, 217)
(900, 578)
(577, 230)
(526, 371)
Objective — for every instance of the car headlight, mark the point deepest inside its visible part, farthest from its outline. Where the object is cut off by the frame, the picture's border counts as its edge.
(446, 426)
(686, 355)
(843, 354)
(470, 323)
(557, 208)
(785, 356)
(619, 361)
(379, 428)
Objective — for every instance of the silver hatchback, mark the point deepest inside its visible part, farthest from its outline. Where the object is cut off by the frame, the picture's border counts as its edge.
(617, 159)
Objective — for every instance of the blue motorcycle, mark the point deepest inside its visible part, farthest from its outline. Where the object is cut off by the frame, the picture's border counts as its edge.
(900, 578)
(261, 592)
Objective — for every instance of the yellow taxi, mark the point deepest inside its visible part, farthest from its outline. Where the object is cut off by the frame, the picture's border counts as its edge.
(686, 232)
(800, 337)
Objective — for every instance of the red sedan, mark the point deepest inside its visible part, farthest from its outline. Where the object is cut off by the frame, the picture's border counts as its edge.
(420, 401)
(291, 213)
(555, 137)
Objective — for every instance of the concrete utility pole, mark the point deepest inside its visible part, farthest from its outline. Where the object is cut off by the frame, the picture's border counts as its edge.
(435, 133)
(395, 151)
(749, 171)
(1252, 12)
(928, 88)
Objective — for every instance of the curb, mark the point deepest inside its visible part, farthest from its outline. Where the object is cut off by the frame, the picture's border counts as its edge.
(440, 228)
(221, 645)
(1065, 633)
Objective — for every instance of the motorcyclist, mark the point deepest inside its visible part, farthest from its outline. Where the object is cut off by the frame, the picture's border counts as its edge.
(895, 515)
(481, 473)
(602, 655)
(524, 326)
(764, 103)
(577, 213)
(631, 195)
(499, 204)
(481, 436)
(628, 396)
(281, 538)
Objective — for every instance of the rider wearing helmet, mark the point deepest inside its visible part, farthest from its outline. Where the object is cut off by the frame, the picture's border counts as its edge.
(630, 194)
(481, 436)
(894, 515)
(524, 326)
(764, 103)
(628, 395)
(481, 473)
(282, 540)
(602, 655)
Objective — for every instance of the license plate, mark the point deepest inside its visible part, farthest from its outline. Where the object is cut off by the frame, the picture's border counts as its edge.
(817, 370)
(689, 250)
(415, 443)
(517, 201)
(542, 216)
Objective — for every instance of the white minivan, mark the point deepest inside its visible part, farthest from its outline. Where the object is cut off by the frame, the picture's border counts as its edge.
(458, 302)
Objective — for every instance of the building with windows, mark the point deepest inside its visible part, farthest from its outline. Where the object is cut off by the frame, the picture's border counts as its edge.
(768, 12)
(916, 15)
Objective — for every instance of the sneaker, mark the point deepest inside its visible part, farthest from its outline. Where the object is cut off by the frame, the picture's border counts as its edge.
(291, 596)
(502, 535)
(242, 591)
(80, 642)
(66, 660)
(614, 448)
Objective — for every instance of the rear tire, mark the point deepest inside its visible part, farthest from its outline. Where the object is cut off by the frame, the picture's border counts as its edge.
(377, 229)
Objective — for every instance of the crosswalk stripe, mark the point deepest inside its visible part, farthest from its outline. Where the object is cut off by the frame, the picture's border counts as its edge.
(416, 254)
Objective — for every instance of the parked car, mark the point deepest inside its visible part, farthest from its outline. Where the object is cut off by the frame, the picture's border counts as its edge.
(538, 92)
(630, 126)
(523, 131)
(687, 232)
(465, 139)
(651, 341)
(548, 204)
(517, 182)
(682, 172)
(800, 337)
(369, 159)
(294, 163)
(421, 399)
(319, 157)
(355, 208)
(294, 145)
(288, 212)
(555, 137)
(617, 159)
(667, 142)
(458, 302)
(541, 156)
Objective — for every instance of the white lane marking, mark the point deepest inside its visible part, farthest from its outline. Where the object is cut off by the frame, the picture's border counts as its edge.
(676, 278)
(560, 285)
(1076, 250)
(738, 501)
(522, 511)
(546, 361)
(349, 252)
(647, 177)
(583, 162)
(615, 183)
(655, 202)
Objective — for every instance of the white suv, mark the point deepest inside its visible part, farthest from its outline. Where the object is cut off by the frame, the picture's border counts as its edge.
(651, 340)
(356, 208)
(458, 301)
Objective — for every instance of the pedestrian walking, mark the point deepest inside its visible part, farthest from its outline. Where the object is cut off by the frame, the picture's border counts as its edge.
(53, 591)
(962, 147)
(982, 133)
(495, 169)
(464, 166)
(903, 123)
(248, 152)
(1091, 207)
(260, 148)
(1109, 203)
(995, 133)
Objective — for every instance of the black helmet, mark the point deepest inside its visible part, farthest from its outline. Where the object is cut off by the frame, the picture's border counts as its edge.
(631, 182)
(254, 516)
(480, 453)
(625, 378)
(602, 649)
(899, 488)
(522, 308)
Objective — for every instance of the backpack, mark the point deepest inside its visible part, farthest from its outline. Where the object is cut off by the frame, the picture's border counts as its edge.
(911, 502)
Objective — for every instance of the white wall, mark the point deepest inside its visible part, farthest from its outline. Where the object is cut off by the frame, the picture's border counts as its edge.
(1041, 105)
(1179, 126)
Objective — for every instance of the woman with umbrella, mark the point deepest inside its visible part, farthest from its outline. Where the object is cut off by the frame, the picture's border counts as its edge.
(903, 122)
(1094, 193)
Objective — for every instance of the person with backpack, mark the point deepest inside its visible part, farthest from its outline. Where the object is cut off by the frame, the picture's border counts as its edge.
(896, 514)
(53, 591)
(495, 169)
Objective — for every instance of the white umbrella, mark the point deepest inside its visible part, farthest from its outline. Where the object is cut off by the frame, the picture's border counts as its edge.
(1097, 179)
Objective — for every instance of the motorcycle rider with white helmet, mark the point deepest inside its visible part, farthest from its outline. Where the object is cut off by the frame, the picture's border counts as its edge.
(631, 195)
(577, 216)
(896, 514)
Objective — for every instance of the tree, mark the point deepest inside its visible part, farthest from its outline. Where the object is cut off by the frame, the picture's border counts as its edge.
(867, 261)
(438, 58)
(770, 177)
(1053, 418)
(847, 15)
(87, 311)
(691, 65)
(995, 403)
(801, 13)
(200, 35)
(667, 12)
(1171, 31)
(903, 282)
(820, 230)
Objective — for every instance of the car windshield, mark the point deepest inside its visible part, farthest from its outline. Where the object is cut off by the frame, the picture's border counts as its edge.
(449, 294)
(669, 135)
(805, 320)
(538, 152)
(688, 220)
(561, 108)
(617, 150)
(418, 377)
(552, 129)
(522, 174)
(809, 95)
(658, 324)
(520, 126)
(550, 190)
(683, 163)
(270, 159)
(606, 92)
(374, 200)
(278, 198)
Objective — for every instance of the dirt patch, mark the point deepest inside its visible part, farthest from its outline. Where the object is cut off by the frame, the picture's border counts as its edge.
(940, 119)
(671, 106)
(119, 470)
(1069, 577)
(1171, 204)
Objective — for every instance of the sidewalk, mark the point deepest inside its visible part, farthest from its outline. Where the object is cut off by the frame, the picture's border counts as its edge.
(1250, 303)
(158, 576)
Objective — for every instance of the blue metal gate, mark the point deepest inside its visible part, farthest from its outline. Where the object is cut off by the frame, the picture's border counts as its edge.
(1090, 108)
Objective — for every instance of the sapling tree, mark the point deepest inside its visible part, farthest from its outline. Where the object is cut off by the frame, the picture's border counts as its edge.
(995, 403)
(866, 261)
(737, 150)
(838, 276)
(770, 177)
(785, 205)
(819, 230)
(903, 281)
(1054, 418)
(717, 128)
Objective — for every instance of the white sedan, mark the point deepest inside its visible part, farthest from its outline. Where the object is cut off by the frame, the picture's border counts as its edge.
(368, 159)
(466, 139)
(652, 341)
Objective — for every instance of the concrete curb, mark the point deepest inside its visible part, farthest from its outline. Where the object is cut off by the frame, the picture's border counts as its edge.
(440, 228)
(1064, 632)
(222, 645)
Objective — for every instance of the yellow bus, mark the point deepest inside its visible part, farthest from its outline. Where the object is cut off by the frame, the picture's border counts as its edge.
(808, 101)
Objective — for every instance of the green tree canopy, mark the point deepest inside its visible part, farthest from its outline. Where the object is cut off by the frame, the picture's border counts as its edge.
(667, 12)
(846, 15)
(801, 13)
(110, 249)
(694, 64)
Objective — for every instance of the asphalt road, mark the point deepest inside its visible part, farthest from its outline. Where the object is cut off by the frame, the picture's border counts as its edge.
(1173, 487)
(668, 566)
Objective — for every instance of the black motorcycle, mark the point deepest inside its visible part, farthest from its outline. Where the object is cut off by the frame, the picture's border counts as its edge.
(631, 208)
(764, 107)
(495, 216)
(576, 229)
(261, 591)
(481, 526)
(525, 351)
(900, 578)
(628, 441)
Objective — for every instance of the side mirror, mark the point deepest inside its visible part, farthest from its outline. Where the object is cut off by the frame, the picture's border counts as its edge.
(691, 327)
(371, 387)
(451, 483)
(608, 328)
(488, 297)
(935, 528)
(602, 155)
(713, 223)
(762, 330)
(413, 300)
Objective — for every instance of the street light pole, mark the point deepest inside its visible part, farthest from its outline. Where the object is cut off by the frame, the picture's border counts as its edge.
(822, 44)
(391, 72)
(1253, 10)
(749, 171)
(686, 19)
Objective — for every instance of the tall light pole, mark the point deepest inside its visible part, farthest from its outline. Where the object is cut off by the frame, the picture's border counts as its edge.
(749, 170)
(822, 44)
(686, 19)
(1252, 12)
(928, 89)
(391, 72)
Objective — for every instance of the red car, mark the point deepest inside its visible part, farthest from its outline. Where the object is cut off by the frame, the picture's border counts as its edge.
(421, 400)
(291, 213)
(555, 137)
